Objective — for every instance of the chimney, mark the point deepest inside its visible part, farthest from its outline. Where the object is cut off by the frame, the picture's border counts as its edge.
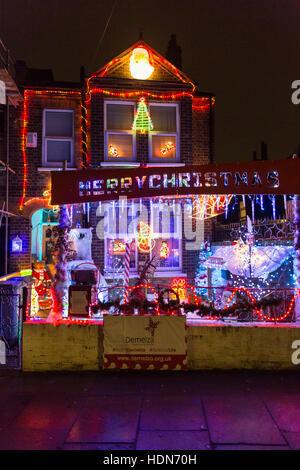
(264, 151)
(173, 53)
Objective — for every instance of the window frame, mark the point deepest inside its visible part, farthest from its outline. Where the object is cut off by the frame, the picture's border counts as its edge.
(46, 138)
(177, 236)
(107, 132)
(128, 237)
(176, 134)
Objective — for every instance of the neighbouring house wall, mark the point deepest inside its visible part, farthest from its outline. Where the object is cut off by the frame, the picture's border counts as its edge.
(37, 181)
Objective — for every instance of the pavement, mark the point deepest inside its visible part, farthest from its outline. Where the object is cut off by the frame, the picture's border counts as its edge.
(139, 410)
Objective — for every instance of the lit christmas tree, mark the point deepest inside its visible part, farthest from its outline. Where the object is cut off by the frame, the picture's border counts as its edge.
(201, 271)
(142, 120)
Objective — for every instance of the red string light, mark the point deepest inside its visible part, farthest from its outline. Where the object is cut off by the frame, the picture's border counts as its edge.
(120, 60)
(137, 93)
(23, 148)
(31, 93)
(202, 103)
(144, 286)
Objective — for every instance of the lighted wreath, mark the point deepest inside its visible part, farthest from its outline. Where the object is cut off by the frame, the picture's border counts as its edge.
(171, 306)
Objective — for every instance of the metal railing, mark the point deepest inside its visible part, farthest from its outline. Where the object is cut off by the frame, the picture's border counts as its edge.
(7, 61)
(263, 229)
(10, 327)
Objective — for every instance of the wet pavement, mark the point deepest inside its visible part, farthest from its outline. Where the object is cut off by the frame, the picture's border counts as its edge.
(128, 410)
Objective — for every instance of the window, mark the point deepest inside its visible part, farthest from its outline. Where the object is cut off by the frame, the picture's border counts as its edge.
(116, 237)
(58, 141)
(166, 230)
(164, 139)
(119, 137)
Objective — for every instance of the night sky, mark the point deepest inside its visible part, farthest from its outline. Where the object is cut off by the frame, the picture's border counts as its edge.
(245, 51)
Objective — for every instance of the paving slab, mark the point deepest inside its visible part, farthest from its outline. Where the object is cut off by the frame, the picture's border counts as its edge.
(173, 440)
(107, 419)
(116, 383)
(29, 439)
(48, 414)
(93, 446)
(268, 382)
(10, 408)
(242, 447)
(293, 439)
(240, 420)
(224, 382)
(285, 409)
(172, 412)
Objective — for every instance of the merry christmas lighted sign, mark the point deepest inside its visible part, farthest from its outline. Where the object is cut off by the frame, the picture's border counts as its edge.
(266, 177)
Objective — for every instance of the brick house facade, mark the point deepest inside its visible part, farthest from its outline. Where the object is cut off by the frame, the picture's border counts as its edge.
(111, 84)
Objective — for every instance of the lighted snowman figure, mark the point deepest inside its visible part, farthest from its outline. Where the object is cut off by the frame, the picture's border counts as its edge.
(140, 67)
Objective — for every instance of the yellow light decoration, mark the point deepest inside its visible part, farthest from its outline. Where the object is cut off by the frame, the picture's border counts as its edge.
(112, 151)
(207, 206)
(164, 249)
(179, 285)
(145, 242)
(167, 148)
(119, 247)
(140, 67)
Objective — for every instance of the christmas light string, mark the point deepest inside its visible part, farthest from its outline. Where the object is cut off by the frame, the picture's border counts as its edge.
(23, 148)
(24, 128)
(142, 121)
(121, 60)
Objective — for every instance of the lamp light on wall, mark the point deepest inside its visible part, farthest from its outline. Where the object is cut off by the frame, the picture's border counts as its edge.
(16, 244)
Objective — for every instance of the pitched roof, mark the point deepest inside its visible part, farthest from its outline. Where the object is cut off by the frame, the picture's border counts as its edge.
(114, 67)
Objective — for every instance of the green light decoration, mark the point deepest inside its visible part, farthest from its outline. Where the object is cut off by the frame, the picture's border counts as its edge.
(142, 120)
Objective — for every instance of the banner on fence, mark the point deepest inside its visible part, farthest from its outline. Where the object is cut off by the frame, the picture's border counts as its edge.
(144, 342)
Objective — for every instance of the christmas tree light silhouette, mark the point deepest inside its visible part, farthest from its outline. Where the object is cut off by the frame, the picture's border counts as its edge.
(142, 120)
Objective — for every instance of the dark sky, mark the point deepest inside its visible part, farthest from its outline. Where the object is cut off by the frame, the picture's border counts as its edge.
(245, 51)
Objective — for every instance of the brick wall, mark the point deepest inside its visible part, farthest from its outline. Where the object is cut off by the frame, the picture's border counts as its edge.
(196, 146)
(37, 181)
(196, 142)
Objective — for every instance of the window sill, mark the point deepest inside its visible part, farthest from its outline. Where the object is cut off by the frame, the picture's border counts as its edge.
(169, 274)
(137, 165)
(54, 168)
(112, 276)
(168, 164)
(121, 164)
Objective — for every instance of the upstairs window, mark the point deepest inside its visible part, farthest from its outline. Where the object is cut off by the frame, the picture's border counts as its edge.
(58, 137)
(164, 139)
(119, 137)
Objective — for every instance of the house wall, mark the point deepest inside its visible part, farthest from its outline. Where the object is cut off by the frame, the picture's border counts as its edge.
(196, 146)
(37, 181)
